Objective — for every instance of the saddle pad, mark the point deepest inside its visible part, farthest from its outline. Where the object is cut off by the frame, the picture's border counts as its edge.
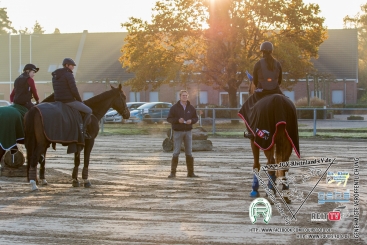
(62, 124)
(11, 125)
(263, 114)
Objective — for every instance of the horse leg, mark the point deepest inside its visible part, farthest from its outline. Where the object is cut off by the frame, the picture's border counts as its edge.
(283, 152)
(271, 160)
(255, 182)
(74, 175)
(89, 143)
(42, 162)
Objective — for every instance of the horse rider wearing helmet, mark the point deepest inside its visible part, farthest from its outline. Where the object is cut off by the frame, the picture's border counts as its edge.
(25, 88)
(65, 91)
(267, 72)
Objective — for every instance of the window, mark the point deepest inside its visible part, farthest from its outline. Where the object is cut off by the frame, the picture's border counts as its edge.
(318, 95)
(134, 96)
(153, 97)
(203, 97)
(337, 96)
(224, 98)
(289, 94)
(1, 96)
(87, 95)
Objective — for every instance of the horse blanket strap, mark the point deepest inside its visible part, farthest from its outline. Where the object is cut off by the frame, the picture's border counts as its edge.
(11, 125)
(62, 124)
(263, 114)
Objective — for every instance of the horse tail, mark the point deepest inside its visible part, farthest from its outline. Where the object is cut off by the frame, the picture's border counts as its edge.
(30, 136)
(283, 148)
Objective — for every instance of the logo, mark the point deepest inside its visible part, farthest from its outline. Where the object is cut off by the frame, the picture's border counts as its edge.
(262, 133)
(338, 177)
(318, 217)
(333, 216)
(335, 196)
(260, 206)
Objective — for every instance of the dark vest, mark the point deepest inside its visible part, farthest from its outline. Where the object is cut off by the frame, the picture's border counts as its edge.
(268, 80)
(23, 93)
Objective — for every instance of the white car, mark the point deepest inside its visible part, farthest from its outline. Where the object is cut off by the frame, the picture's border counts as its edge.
(4, 103)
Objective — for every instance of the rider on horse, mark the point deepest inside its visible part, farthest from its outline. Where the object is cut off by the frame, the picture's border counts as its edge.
(65, 91)
(24, 87)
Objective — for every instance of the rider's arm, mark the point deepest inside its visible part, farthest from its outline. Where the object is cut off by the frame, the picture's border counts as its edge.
(12, 95)
(33, 88)
(255, 73)
(280, 73)
(73, 88)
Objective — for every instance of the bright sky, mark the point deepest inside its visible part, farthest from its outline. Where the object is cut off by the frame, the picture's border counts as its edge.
(107, 15)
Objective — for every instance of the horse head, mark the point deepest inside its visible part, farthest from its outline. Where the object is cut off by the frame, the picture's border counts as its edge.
(119, 102)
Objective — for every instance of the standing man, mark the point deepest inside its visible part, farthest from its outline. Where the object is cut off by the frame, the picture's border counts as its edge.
(182, 116)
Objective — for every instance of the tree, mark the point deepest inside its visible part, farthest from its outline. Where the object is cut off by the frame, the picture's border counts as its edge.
(5, 23)
(176, 46)
(359, 21)
(24, 31)
(37, 28)
(57, 31)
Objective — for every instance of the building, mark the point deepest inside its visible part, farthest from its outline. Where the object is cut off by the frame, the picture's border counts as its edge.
(97, 54)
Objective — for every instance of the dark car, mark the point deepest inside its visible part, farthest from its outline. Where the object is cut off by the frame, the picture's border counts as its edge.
(151, 112)
(114, 116)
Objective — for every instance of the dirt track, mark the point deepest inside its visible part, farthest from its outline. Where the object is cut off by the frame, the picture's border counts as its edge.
(133, 202)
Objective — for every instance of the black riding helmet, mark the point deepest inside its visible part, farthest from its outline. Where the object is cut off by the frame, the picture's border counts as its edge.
(266, 46)
(68, 61)
(30, 67)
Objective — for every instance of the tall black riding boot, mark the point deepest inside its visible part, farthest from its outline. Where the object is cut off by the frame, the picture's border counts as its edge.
(86, 119)
(190, 167)
(174, 163)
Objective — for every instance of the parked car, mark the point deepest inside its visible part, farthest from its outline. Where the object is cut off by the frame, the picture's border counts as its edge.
(151, 112)
(4, 103)
(113, 116)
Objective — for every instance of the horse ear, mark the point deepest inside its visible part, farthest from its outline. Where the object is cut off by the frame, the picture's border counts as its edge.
(111, 86)
(120, 86)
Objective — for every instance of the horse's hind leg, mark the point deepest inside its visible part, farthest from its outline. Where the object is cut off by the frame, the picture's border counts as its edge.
(74, 175)
(271, 160)
(255, 182)
(42, 162)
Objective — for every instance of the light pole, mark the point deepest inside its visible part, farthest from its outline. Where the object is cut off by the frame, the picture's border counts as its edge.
(10, 62)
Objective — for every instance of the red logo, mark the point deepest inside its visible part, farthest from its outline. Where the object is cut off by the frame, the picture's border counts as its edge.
(333, 216)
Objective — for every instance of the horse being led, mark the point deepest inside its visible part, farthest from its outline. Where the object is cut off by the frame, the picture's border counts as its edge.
(36, 142)
(271, 121)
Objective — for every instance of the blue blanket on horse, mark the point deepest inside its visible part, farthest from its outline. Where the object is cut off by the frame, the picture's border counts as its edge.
(62, 124)
(262, 115)
(11, 125)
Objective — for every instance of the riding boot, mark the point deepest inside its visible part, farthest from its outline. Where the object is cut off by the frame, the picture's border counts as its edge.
(190, 167)
(174, 163)
(255, 187)
(85, 124)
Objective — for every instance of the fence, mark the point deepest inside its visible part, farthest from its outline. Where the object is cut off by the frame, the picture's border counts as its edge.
(224, 122)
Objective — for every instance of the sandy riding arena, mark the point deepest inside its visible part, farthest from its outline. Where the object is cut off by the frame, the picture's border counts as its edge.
(132, 201)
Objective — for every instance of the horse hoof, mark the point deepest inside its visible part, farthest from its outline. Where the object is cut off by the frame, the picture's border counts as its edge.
(44, 182)
(34, 187)
(254, 194)
(287, 200)
(87, 184)
(76, 183)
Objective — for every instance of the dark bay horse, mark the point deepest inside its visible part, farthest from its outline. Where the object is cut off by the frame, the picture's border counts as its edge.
(276, 144)
(36, 143)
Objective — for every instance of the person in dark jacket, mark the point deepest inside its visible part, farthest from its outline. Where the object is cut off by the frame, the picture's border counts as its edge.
(182, 116)
(65, 90)
(25, 88)
(267, 72)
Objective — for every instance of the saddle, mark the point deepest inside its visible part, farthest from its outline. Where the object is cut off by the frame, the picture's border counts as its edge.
(62, 124)
(263, 114)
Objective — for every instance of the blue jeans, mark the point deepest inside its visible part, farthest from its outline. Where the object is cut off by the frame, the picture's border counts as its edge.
(178, 137)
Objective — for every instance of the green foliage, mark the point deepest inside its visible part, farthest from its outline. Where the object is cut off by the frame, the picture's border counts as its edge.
(177, 46)
(37, 28)
(5, 23)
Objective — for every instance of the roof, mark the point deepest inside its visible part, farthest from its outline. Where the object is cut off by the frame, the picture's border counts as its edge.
(338, 55)
(96, 55)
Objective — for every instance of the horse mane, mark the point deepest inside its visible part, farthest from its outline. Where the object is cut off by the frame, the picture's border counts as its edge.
(99, 98)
